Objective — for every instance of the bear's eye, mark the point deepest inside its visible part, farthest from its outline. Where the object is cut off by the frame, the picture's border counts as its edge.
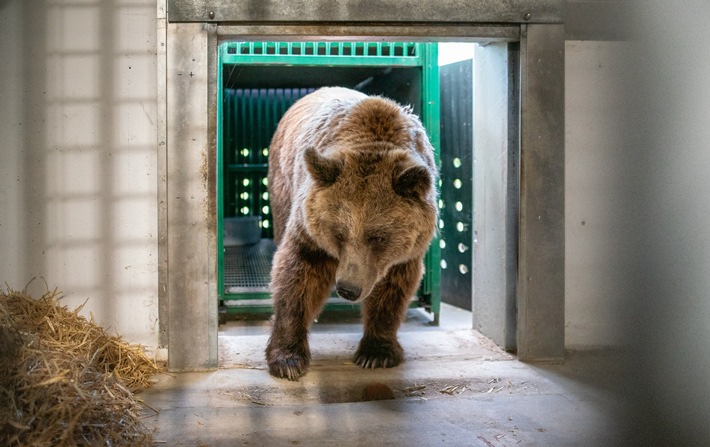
(375, 240)
(339, 236)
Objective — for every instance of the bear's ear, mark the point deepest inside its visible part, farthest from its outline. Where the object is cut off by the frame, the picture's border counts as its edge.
(324, 170)
(413, 182)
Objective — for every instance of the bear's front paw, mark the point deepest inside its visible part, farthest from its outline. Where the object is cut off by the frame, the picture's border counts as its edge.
(378, 353)
(286, 365)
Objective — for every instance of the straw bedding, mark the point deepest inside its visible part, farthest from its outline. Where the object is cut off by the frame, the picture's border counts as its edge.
(64, 381)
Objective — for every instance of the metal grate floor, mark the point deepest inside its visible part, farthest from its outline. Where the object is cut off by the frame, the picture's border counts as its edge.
(247, 269)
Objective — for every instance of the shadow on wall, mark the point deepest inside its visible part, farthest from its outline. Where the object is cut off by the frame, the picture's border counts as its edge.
(86, 201)
(665, 241)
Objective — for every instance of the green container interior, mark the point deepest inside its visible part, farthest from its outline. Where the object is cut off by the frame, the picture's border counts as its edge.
(257, 83)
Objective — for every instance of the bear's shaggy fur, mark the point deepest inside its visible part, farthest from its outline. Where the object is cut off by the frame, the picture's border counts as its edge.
(352, 186)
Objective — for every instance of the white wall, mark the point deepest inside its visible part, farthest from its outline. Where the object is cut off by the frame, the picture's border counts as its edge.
(78, 156)
(594, 294)
(11, 152)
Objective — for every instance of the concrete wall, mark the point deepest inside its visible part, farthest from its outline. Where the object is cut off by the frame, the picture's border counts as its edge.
(78, 156)
(78, 200)
(593, 143)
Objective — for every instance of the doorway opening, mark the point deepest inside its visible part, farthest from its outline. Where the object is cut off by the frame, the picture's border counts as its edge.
(257, 82)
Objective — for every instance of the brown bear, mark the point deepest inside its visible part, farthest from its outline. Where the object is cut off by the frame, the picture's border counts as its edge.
(352, 185)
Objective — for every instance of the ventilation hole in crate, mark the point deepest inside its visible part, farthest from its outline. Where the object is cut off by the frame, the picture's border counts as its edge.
(265, 196)
(265, 181)
(462, 248)
(457, 183)
(245, 210)
(463, 269)
(265, 210)
(460, 227)
(441, 223)
(443, 264)
(441, 204)
(442, 244)
(458, 206)
(457, 162)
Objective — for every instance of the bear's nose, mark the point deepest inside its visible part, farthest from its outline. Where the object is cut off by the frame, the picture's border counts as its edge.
(348, 291)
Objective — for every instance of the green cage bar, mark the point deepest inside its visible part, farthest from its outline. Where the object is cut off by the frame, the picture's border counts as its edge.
(257, 83)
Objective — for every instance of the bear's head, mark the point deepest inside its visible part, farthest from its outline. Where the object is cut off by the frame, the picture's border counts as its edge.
(370, 208)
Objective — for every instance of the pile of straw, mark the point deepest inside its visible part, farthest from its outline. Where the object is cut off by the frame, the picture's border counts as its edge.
(64, 381)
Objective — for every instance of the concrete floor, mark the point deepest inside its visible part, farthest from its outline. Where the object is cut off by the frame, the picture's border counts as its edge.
(455, 388)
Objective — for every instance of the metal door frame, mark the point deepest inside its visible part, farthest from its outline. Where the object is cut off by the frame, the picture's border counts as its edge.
(188, 36)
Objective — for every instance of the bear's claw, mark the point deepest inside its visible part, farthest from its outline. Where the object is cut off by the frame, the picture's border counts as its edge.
(285, 366)
(375, 353)
(372, 363)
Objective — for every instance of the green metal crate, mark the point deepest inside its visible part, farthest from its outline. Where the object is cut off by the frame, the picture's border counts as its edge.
(257, 83)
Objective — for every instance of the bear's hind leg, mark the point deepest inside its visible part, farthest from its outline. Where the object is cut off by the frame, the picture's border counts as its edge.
(301, 279)
(384, 311)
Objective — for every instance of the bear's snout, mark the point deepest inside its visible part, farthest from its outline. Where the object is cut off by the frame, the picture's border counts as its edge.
(348, 291)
